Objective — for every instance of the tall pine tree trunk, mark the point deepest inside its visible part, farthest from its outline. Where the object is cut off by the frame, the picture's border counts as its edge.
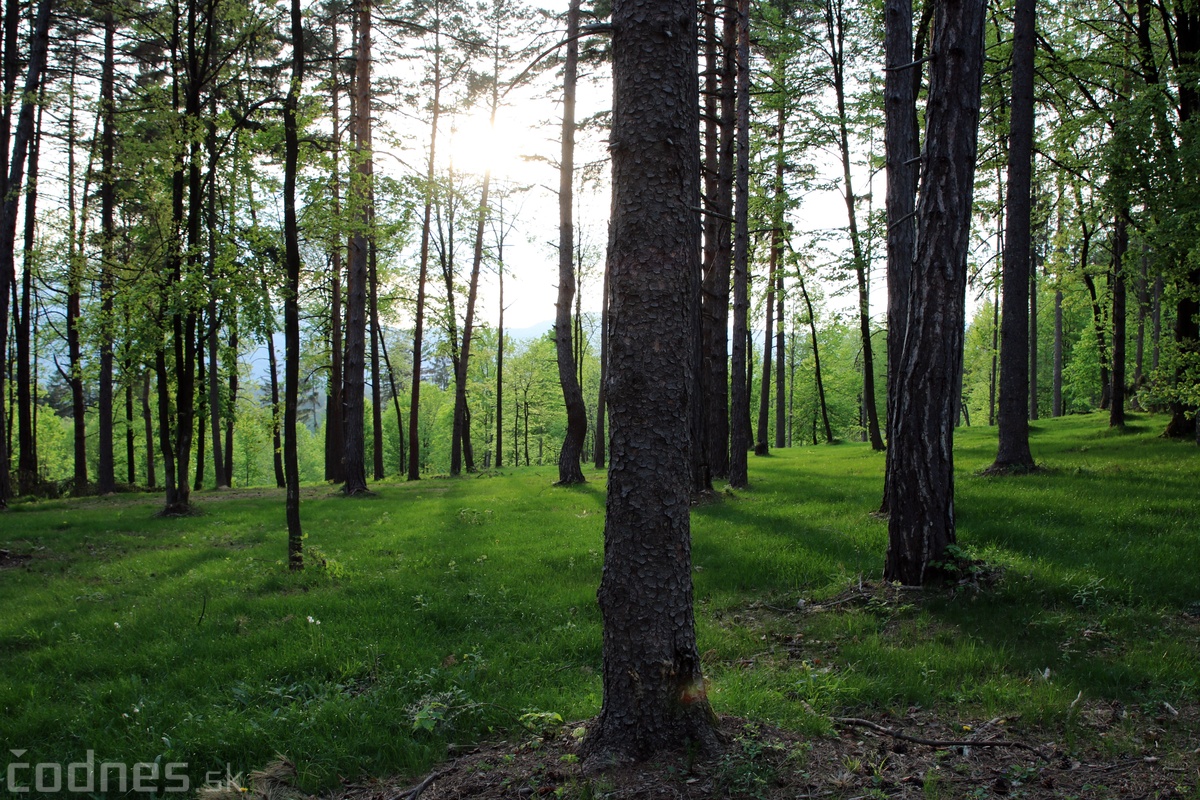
(1013, 417)
(1057, 407)
(654, 693)
(739, 401)
(8, 210)
(901, 82)
(569, 469)
(27, 465)
(414, 430)
(354, 379)
(334, 435)
(921, 524)
(1116, 414)
(291, 300)
(835, 31)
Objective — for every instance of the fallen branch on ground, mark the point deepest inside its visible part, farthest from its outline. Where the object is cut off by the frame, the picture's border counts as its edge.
(937, 743)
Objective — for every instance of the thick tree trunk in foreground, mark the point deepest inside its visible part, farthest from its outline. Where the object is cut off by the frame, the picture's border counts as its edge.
(1013, 414)
(928, 378)
(654, 693)
(900, 146)
(569, 470)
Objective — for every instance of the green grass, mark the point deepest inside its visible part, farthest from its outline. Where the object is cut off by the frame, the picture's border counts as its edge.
(449, 609)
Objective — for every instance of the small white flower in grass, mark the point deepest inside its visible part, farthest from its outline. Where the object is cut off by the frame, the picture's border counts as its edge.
(117, 625)
(312, 621)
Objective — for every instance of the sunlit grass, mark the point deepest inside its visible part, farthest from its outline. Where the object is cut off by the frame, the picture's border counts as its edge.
(446, 610)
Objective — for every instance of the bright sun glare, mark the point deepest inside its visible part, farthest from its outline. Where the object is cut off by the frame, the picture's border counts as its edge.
(475, 145)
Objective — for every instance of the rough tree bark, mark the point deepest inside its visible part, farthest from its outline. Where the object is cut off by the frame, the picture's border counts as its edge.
(928, 377)
(654, 693)
(354, 379)
(8, 213)
(739, 395)
(1116, 411)
(27, 464)
(569, 469)
(719, 202)
(1012, 417)
(900, 135)
(335, 470)
(291, 300)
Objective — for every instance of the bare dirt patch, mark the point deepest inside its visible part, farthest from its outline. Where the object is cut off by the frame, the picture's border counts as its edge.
(10, 560)
(856, 762)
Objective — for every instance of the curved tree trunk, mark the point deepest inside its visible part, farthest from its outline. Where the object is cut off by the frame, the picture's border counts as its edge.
(569, 469)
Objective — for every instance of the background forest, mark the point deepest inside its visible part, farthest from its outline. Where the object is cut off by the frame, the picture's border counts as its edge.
(147, 198)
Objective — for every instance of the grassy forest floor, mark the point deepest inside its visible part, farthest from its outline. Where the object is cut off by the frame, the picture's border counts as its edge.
(441, 618)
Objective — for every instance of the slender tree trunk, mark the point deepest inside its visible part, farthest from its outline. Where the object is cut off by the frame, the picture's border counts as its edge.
(929, 377)
(780, 349)
(569, 469)
(291, 300)
(354, 379)
(387, 362)
(1098, 326)
(1058, 354)
(835, 30)
(461, 430)
(223, 479)
(1156, 322)
(130, 445)
(201, 416)
(276, 409)
(812, 330)
(1116, 415)
(376, 383)
(1033, 341)
(231, 415)
(1143, 308)
(75, 266)
(334, 433)
(601, 449)
(148, 419)
(739, 393)
(1013, 417)
(995, 351)
(654, 695)
(716, 294)
(414, 435)
(500, 356)
(8, 210)
(27, 465)
(764, 395)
